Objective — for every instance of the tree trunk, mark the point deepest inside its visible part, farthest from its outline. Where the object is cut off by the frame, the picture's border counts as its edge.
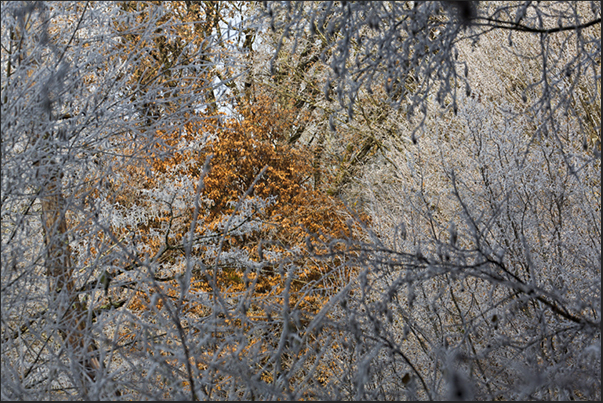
(71, 313)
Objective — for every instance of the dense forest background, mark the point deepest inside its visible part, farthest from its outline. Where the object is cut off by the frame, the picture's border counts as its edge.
(301, 200)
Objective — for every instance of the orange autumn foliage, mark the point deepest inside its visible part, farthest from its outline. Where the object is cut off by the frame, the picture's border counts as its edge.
(243, 148)
(240, 148)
